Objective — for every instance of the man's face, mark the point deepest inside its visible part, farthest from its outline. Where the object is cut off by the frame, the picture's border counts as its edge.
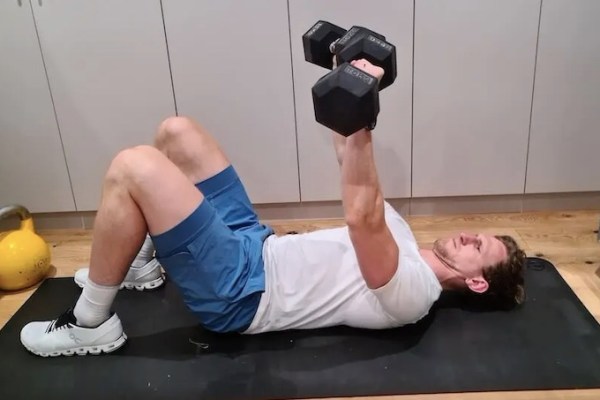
(470, 253)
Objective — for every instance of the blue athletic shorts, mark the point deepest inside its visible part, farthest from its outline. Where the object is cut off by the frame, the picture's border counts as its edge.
(215, 255)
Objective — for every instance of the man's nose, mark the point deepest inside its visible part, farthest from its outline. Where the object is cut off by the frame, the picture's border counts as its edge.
(467, 238)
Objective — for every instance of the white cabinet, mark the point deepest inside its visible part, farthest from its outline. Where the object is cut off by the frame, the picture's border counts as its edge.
(32, 165)
(319, 172)
(81, 80)
(108, 70)
(565, 129)
(232, 72)
(474, 68)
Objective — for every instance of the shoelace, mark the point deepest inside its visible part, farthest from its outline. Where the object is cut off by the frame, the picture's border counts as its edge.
(63, 321)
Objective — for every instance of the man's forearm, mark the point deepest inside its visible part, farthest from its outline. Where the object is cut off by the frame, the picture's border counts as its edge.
(339, 144)
(361, 195)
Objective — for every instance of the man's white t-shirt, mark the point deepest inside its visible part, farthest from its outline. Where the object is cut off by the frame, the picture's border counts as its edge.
(313, 280)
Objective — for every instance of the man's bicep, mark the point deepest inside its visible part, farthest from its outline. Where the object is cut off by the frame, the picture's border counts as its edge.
(377, 253)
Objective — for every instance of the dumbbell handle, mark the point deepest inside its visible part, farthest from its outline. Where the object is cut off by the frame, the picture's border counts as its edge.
(341, 42)
(332, 46)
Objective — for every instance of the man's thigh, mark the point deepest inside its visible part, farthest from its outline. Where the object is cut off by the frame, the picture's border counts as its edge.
(199, 156)
(191, 147)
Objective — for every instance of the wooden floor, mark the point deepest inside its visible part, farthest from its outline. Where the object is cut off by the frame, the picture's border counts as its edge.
(565, 238)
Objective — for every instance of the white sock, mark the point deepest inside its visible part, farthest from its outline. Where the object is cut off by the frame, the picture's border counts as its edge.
(93, 306)
(145, 255)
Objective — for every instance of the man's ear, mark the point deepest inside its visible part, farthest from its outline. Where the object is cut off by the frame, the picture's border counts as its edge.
(477, 284)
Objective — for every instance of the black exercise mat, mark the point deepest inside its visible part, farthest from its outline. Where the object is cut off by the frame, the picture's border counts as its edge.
(553, 342)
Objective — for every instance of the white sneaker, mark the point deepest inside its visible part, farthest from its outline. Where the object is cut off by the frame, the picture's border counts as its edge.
(63, 337)
(149, 276)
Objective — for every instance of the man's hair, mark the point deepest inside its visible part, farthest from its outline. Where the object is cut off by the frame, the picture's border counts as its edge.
(506, 281)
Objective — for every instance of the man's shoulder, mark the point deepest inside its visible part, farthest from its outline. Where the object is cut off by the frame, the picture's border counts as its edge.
(399, 227)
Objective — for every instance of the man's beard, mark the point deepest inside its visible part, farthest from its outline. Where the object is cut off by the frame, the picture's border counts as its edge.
(439, 249)
(441, 252)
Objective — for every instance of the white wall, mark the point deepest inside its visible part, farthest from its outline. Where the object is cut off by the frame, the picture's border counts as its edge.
(564, 151)
(109, 75)
(319, 171)
(232, 73)
(33, 171)
(460, 123)
(474, 65)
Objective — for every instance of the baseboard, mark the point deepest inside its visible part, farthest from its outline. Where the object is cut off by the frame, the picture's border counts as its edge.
(466, 205)
(333, 209)
(60, 220)
(562, 201)
(315, 209)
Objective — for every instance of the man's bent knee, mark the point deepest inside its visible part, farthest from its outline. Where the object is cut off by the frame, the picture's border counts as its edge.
(134, 165)
(171, 129)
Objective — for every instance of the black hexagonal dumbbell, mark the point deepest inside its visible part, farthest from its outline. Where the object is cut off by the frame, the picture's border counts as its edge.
(324, 40)
(317, 42)
(361, 42)
(346, 99)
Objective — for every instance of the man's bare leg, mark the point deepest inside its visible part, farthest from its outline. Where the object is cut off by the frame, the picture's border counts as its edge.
(143, 192)
(198, 155)
(191, 147)
(130, 191)
(147, 192)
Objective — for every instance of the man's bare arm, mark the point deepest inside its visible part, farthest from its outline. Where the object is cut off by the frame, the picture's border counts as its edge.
(364, 211)
(339, 144)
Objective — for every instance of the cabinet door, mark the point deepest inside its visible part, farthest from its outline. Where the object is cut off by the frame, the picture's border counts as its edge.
(32, 164)
(232, 73)
(109, 76)
(319, 172)
(565, 127)
(474, 66)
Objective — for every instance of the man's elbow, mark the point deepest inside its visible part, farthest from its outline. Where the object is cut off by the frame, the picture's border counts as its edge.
(366, 214)
(364, 221)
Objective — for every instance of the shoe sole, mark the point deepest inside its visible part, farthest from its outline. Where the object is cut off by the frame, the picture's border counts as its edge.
(82, 351)
(158, 282)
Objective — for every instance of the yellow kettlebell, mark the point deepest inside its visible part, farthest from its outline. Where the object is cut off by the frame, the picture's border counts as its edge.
(24, 256)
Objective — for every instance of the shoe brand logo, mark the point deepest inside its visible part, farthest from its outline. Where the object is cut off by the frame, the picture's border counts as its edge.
(74, 338)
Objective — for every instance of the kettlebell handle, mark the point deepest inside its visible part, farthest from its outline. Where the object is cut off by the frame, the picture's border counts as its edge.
(22, 212)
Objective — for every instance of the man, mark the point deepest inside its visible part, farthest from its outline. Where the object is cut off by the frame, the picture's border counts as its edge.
(235, 275)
